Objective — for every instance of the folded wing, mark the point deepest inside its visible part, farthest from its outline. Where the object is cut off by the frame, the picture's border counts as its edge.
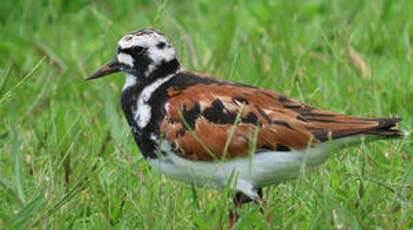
(211, 119)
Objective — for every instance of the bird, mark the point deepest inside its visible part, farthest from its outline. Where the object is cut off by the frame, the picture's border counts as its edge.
(212, 133)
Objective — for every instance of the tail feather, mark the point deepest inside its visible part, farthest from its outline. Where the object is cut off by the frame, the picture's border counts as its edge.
(379, 128)
(385, 130)
(386, 122)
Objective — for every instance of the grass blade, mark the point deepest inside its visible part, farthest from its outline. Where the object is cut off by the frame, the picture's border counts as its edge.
(25, 214)
(8, 93)
(16, 164)
(9, 187)
(341, 211)
(116, 129)
(4, 78)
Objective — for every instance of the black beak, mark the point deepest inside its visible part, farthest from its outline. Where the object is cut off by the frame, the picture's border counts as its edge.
(113, 66)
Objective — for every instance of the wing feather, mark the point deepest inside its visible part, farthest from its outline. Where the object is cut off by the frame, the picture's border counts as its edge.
(200, 119)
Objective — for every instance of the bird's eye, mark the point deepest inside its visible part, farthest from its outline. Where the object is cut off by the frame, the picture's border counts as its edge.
(161, 45)
(137, 50)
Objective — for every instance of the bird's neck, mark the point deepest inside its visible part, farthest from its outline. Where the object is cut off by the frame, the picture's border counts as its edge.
(142, 102)
(139, 88)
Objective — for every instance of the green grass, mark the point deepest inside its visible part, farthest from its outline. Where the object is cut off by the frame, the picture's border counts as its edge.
(68, 160)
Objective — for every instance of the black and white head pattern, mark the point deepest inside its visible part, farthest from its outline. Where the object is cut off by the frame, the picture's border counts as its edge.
(142, 51)
(148, 60)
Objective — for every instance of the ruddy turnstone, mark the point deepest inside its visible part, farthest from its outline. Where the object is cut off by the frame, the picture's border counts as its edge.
(203, 130)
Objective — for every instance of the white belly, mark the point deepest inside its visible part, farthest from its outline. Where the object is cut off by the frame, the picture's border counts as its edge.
(262, 169)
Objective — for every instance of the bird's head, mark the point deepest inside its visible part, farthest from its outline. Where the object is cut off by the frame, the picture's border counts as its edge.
(144, 54)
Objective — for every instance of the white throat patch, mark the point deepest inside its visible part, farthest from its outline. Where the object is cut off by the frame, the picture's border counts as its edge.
(130, 81)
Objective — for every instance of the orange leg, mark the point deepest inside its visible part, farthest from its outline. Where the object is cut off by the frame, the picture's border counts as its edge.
(233, 216)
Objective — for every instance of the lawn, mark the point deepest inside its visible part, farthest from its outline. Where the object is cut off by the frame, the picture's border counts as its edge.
(68, 160)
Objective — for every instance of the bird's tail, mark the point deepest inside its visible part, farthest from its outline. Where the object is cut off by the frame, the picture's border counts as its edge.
(348, 130)
(385, 129)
